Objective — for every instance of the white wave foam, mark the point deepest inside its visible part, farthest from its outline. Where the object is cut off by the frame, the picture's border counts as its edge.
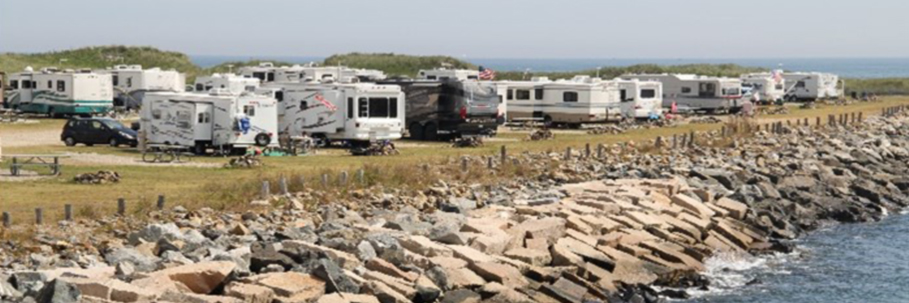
(730, 271)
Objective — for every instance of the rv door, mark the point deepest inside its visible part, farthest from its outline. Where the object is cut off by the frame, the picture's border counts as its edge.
(203, 121)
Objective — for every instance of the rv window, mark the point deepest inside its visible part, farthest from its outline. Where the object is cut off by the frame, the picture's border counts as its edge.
(61, 86)
(129, 82)
(539, 93)
(200, 87)
(279, 95)
(570, 96)
(26, 84)
(686, 90)
(648, 93)
(393, 107)
(260, 76)
(443, 78)
(184, 119)
(800, 84)
(271, 77)
(204, 117)
(779, 87)
(522, 94)
(115, 79)
(14, 84)
(304, 105)
(510, 94)
(208, 87)
(249, 110)
(350, 108)
(430, 77)
(378, 108)
(156, 114)
(363, 107)
(623, 96)
(473, 77)
(50, 84)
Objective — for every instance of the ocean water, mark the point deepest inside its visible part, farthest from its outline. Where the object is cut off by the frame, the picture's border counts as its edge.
(846, 67)
(844, 263)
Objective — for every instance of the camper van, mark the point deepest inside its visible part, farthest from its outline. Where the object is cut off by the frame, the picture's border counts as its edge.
(449, 109)
(640, 99)
(131, 83)
(220, 119)
(355, 113)
(57, 93)
(443, 74)
(811, 86)
(697, 93)
(570, 102)
(232, 83)
(266, 72)
(764, 87)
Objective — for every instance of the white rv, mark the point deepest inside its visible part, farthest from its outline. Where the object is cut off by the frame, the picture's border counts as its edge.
(811, 86)
(641, 99)
(446, 74)
(570, 102)
(131, 82)
(233, 83)
(266, 72)
(352, 112)
(219, 119)
(697, 93)
(57, 93)
(764, 87)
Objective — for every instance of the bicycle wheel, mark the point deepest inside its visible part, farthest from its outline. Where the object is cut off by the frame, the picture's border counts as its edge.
(167, 157)
(184, 157)
(149, 157)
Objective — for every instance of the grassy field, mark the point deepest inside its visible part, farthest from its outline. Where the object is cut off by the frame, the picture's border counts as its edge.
(230, 188)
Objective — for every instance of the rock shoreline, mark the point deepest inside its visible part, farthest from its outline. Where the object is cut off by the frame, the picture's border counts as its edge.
(581, 229)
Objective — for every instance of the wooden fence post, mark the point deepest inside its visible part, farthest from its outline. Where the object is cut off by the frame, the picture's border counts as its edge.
(567, 153)
(600, 148)
(361, 176)
(464, 163)
(282, 186)
(266, 190)
(343, 178)
(503, 155)
(587, 150)
(489, 162)
(68, 212)
(324, 180)
(161, 202)
(7, 220)
(659, 141)
(121, 206)
(39, 216)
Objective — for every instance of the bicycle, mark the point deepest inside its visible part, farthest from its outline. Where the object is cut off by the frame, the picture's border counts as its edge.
(158, 156)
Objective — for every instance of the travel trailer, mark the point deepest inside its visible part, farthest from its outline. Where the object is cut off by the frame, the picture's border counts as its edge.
(355, 113)
(641, 99)
(131, 83)
(764, 87)
(220, 119)
(443, 74)
(232, 83)
(697, 93)
(449, 109)
(266, 72)
(571, 102)
(509, 91)
(57, 93)
(811, 86)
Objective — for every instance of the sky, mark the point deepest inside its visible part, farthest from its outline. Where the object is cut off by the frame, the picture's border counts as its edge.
(468, 28)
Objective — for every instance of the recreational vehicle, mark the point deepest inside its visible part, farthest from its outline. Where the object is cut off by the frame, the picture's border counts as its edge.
(266, 72)
(764, 87)
(443, 74)
(232, 83)
(220, 119)
(131, 83)
(58, 93)
(564, 102)
(449, 109)
(356, 113)
(811, 86)
(641, 99)
(697, 93)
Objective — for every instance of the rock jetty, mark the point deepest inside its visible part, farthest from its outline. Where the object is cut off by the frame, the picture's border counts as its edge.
(579, 229)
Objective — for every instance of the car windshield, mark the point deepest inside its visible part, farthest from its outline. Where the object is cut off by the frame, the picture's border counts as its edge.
(480, 92)
(113, 124)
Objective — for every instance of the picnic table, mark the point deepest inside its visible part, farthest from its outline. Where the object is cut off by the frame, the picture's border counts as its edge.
(35, 160)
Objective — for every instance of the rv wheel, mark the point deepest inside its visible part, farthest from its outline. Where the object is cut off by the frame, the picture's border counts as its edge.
(263, 139)
(547, 121)
(431, 132)
(199, 149)
(416, 131)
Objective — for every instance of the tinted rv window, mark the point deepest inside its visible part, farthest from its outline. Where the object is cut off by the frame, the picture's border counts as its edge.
(279, 95)
(393, 107)
(648, 93)
(271, 77)
(570, 96)
(14, 84)
(363, 108)
(510, 94)
(50, 84)
(260, 76)
(156, 114)
(116, 80)
(522, 94)
(623, 96)
(378, 108)
(778, 87)
(430, 77)
(26, 84)
(249, 110)
(686, 90)
(800, 84)
(199, 87)
(350, 107)
(539, 93)
(61, 86)
(473, 77)
(129, 82)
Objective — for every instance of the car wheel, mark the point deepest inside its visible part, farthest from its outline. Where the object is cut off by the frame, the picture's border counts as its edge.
(431, 132)
(114, 142)
(69, 141)
(416, 131)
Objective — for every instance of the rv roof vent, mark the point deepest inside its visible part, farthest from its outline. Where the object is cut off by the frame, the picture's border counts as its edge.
(68, 70)
(328, 79)
(29, 69)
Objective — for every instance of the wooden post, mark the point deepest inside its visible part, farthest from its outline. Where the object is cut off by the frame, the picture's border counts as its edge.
(503, 155)
(675, 141)
(853, 117)
(860, 117)
(266, 190)
(282, 185)
(361, 176)
(567, 153)
(659, 141)
(767, 128)
(806, 122)
(464, 163)
(722, 132)
(121, 206)
(343, 178)
(324, 180)
(161, 202)
(818, 121)
(691, 139)
(68, 212)
(7, 220)
(39, 216)
(587, 150)
(490, 162)
(302, 181)
(600, 149)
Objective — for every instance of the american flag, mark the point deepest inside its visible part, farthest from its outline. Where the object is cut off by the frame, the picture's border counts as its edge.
(327, 104)
(487, 73)
(777, 75)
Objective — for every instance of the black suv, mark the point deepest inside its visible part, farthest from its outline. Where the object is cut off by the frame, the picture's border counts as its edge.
(91, 131)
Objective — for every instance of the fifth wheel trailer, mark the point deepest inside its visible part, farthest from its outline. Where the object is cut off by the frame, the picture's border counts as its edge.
(131, 83)
(56, 93)
(449, 109)
(219, 119)
(697, 93)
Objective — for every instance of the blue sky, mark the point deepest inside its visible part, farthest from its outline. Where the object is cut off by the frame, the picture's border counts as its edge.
(468, 28)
